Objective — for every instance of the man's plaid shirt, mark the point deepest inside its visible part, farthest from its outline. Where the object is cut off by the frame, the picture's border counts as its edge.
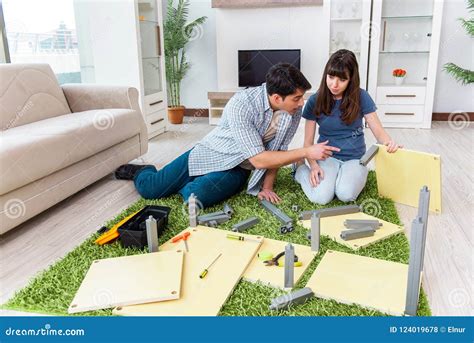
(239, 136)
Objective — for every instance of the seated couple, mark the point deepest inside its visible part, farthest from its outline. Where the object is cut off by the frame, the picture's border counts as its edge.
(251, 142)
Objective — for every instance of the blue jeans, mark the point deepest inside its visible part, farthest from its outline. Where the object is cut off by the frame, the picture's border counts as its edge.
(173, 178)
(342, 179)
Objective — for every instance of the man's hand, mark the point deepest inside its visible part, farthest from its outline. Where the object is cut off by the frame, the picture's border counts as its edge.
(269, 195)
(320, 151)
(316, 175)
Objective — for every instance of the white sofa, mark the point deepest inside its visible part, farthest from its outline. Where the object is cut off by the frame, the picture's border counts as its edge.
(56, 140)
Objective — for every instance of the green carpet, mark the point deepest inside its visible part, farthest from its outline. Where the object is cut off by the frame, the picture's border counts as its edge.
(52, 290)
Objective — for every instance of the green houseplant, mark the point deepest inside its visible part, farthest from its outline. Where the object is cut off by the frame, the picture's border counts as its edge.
(178, 32)
(465, 76)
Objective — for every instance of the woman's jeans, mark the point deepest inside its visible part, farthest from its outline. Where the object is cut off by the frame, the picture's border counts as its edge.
(342, 179)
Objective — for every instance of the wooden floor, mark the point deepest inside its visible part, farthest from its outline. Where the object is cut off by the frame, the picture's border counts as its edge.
(448, 275)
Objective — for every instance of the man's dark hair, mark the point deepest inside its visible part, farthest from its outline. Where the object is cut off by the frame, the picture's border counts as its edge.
(284, 79)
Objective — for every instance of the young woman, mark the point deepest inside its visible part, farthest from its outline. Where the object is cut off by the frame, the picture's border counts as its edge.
(339, 107)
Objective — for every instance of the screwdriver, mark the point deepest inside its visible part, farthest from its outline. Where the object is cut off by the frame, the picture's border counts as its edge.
(205, 271)
(240, 238)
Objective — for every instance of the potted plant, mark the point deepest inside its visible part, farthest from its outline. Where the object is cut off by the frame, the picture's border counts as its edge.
(177, 34)
(463, 75)
(399, 75)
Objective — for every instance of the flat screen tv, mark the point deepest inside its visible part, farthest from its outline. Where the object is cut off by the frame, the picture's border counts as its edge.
(254, 64)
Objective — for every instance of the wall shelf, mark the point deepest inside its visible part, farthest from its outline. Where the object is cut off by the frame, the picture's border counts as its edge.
(264, 3)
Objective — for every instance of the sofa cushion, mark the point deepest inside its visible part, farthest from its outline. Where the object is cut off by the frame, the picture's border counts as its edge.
(29, 93)
(33, 151)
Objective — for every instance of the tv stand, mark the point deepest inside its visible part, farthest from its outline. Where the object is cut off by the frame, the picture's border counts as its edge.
(218, 100)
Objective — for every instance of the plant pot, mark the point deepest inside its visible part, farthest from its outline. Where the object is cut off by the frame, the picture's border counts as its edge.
(399, 80)
(176, 114)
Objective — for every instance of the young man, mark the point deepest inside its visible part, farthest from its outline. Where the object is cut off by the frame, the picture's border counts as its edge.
(256, 128)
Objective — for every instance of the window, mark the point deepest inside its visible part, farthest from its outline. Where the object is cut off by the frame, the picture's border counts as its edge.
(43, 32)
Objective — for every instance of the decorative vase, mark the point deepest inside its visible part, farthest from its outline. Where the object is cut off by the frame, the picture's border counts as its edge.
(399, 80)
(176, 114)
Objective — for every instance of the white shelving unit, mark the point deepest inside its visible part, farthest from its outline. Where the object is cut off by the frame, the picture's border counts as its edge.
(387, 35)
(154, 102)
(349, 28)
(124, 39)
(406, 35)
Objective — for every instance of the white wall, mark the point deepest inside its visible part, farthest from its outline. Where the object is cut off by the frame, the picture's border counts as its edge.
(82, 9)
(270, 28)
(201, 52)
(456, 46)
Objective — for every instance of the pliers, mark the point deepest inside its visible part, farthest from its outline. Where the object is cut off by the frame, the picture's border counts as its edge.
(274, 261)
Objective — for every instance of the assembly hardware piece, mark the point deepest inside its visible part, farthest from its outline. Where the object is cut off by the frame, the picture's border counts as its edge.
(228, 209)
(315, 232)
(362, 223)
(282, 217)
(217, 219)
(357, 233)
(369, 154)
(316, 215)
(245, 224)
(210, 216)
(289, 265)
(212, 223)
(192, 210)
(152, 234)
(423, 212)
(417, 252)
(283, 302)
(328, 212)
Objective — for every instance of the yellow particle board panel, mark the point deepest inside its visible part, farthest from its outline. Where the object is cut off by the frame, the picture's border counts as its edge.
(371, 283)
(274, 276)
(401, 175)
(332, 227)
(203, 297)
(129, 280)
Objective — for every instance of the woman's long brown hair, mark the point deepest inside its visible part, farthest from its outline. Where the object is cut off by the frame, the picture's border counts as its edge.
(342, 64)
